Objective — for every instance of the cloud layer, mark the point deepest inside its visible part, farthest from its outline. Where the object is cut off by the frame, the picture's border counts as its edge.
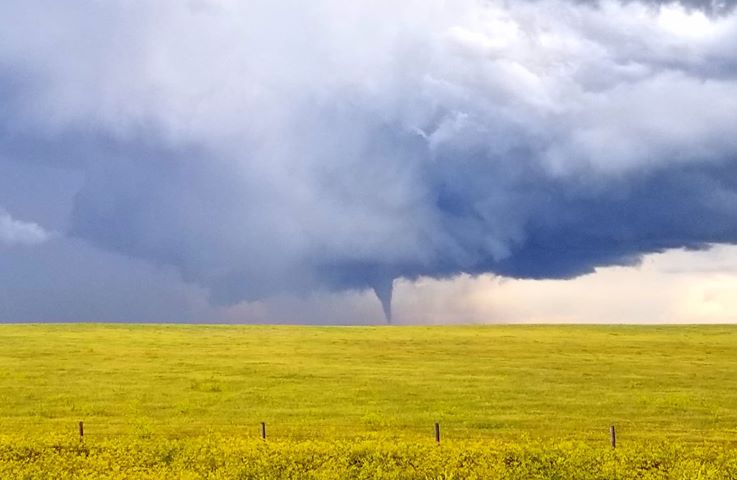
(265, 148)
(14, 232)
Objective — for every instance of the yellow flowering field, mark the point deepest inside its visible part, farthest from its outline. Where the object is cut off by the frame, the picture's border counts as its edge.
(216, 457)
(513, 402)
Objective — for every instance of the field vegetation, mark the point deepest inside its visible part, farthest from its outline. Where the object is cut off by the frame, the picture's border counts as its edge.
(169, 401)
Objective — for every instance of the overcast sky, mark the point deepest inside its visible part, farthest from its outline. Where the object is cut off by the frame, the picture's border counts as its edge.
(464, 161)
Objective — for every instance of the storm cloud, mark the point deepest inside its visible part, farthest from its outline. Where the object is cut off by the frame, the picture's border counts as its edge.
(266, 148)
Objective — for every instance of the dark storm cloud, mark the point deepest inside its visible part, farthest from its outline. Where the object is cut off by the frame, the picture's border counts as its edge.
(263, 149)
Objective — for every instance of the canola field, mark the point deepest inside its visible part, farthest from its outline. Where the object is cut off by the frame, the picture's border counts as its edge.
(513, 402)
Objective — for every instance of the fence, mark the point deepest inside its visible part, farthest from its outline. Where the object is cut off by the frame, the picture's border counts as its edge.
(436, 429)
(354, 429)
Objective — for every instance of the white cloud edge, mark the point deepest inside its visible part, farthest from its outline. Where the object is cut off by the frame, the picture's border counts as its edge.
(16, 232)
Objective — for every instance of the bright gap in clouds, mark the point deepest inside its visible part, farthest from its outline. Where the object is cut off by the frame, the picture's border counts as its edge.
(672, 287)
(676, 20)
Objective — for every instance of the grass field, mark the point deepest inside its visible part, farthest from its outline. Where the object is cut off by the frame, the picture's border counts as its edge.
(518, 385)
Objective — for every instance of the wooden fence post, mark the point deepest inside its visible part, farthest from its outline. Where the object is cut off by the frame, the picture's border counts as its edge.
(437, 432)
(81, 431)
(613, 435)
(263, 430)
